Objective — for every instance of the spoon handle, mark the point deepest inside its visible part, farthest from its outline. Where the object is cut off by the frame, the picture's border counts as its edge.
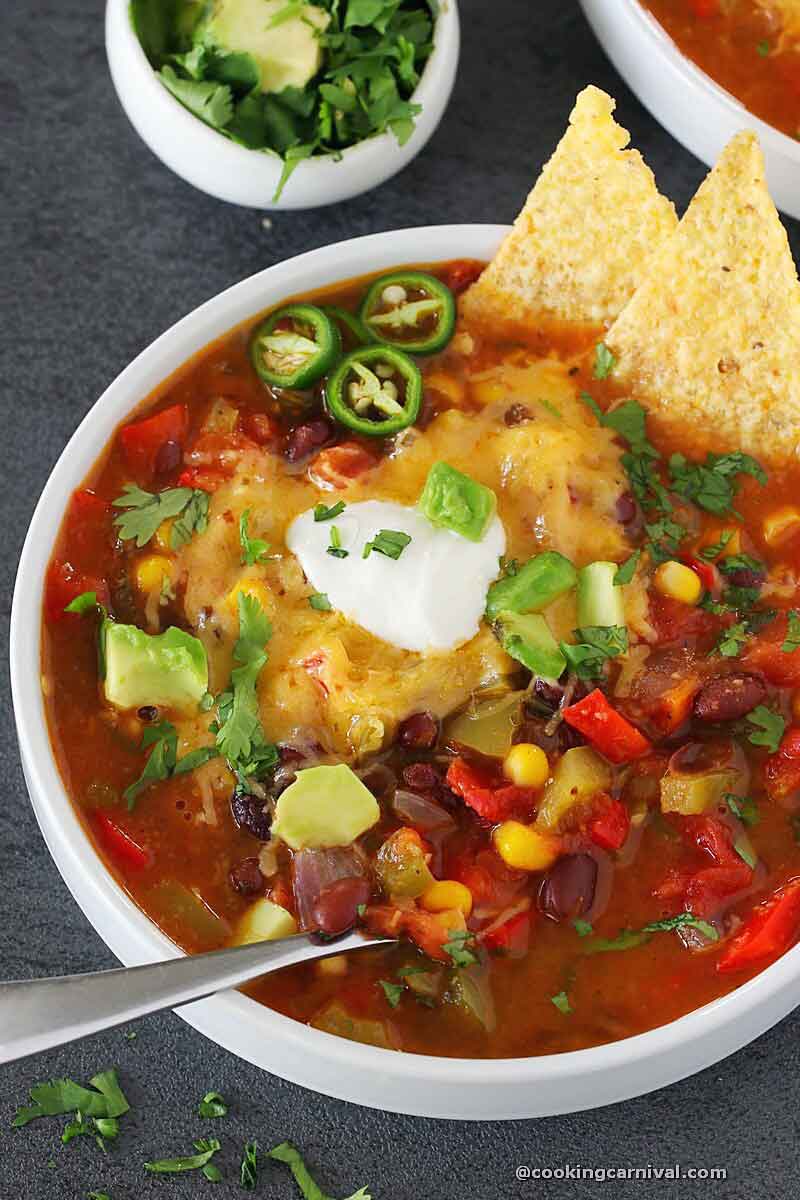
(39, 1014)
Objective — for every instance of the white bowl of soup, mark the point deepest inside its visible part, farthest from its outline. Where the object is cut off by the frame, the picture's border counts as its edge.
(740, 47)
(454, 1068)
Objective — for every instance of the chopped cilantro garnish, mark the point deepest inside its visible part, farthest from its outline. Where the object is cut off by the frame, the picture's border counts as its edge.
(391, 542)
(628, 420)
(392, 991)
(102, 1129)
(212, 1105)
(743, 807)
(561, 1001)
(163, 762)
(709, 553)
(665, 537)
(745, 851)
(458, 947)
(104, 1099)
(627, 570)
(595, 644)
(335, 547)
(741, 562)
(731, 640)
(86, 602)
(92, 1195)
(240, 736)
(740, 599)
(713, 485)
(323, 513)
(147, 510)
(551, 408)
(248, 1174)
(310, 1190)
(763, 48)
(320, 602)
(604, 361)
(253, 549)
(581, 927)
(770, 727)
(792, 640)
(206, 1149)
(629, 938)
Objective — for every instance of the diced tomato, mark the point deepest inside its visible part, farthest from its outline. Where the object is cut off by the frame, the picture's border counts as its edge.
(337, 466)
(486, 793)
(121, 847)
(706, 572)
(674, 621)
(782, 769)
(260, 427)
(610, 827)
(781, 667)
(511, 938)
(204, 479)
(772, 927)
(607, 730)
(478, 880)
(425, 929)
(63, 583)
(142, 441)
(460, 275)
(706, 891)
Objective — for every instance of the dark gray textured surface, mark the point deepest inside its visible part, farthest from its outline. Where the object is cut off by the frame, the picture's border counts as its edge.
(101, 249)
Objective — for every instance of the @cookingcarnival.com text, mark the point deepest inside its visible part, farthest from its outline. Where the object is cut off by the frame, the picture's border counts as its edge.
(608, 1173)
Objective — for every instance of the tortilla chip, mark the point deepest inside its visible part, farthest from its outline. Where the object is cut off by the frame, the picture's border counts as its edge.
(711, 340)
(579, 247)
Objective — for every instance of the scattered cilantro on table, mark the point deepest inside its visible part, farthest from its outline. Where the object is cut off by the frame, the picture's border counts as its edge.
(212, 1105)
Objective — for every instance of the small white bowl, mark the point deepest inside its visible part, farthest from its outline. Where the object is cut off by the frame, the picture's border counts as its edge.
(421, 1085)
(686, 101)
(228, 171)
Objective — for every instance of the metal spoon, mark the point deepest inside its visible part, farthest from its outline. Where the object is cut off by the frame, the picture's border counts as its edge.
(38, 1014)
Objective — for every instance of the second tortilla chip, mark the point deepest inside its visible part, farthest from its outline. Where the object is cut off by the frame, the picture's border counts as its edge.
(711, 340)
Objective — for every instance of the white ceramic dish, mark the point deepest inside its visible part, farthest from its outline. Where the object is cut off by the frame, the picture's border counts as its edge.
(209, 161)
(424, 1086)
(686, 101)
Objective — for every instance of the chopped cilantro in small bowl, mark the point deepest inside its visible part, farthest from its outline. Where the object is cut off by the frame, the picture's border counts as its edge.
(283, 102)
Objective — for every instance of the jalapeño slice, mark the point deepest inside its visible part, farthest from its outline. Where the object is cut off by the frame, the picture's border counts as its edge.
(352, 331)
(410, 309)
(295, 346)
(375, 391)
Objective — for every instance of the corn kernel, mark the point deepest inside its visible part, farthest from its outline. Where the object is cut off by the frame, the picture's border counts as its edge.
(446, 894)
(780, 524)
(678, 582)
(150, 572)
(332, 968)
(248, 587)
(448, 385)
(526, 765)
(488, 391)
(524, 848)
(163, 534)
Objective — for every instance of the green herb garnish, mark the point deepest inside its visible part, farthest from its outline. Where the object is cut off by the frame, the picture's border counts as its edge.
(212, 1105)
(310, 1190)
(458, 947)
(335, 549)
(713, 485)
(743, 807)
(147, 510)
(731, 640)
(206, 1149)
(629, 938)
(595, 645)
(745, 851)
(627, 570)
(248, 1174)
(390, 542)
(770, 728)
(709, 553)
(792, 640)
(253, 549)
(581, 927)
(392, 991)
(162, 762)
(604, 361)
(104, 1099)
(239, 733)
(320, 602)
(323, 513)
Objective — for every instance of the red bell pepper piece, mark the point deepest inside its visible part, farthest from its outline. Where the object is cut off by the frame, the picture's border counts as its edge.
(62, 584)
(511, 938)
(706, 571)
(142, 441)
(782, 769)
(781, 667)
(486, 793)
(607, 730)
(772, 927)
(610, 827)
(125, 852)
(705, 892)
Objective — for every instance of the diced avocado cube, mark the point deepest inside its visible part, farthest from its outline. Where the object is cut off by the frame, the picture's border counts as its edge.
(287, 53)
(527, 638)
(451, 500)
(169, 669)
(536, 584)
(599, 598)
(263, 922)
(325, 806)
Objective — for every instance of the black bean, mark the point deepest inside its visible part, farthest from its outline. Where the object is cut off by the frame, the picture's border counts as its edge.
(245, 877)
(517, 414)
(167, 458)
(249, 813)
(148, 713)
(419, 732)
(420, 776)
(568, 888)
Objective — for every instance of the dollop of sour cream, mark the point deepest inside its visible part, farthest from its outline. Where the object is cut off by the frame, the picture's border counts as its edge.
(430, 598)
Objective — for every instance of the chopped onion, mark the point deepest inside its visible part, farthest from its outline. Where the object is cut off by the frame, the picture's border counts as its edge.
(313, 870)
(425, 815)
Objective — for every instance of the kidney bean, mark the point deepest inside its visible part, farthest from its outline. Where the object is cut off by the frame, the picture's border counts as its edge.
(420, 776)
(336, 908)
(625, 508)
(568, 888)
(745, 577)
(245, 877)
(517, 414)
(418, 732)
(250, 814)
(728, 697)
(168, 457)
(306, 438)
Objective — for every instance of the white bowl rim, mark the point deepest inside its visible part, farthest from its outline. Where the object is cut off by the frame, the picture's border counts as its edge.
(694, 76)
(629, 1067)
(210, 140)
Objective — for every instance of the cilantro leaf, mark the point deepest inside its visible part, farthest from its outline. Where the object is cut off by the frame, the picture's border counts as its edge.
(792, 640)
(212, 1105)
(389, 542)
(604, 361)
(630, 938)
(211, 102)
(248, 1174)
(458, 947)
(741, 562)
(581, 927)
(323, 513)
(206, 1149)
(392, 991)
(713, 485)
(743, 807)
(239, 734)
(253, 549)
(628, 419)
(769, 728)
(595, 645)
(627, 570)
(320, 602)
(709, 553)
(163, 737)
(665, 537)
(193, 519)
(731, 640)
(309, 1188)
(561, 1001)
(146, 511)
(60, 1096)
